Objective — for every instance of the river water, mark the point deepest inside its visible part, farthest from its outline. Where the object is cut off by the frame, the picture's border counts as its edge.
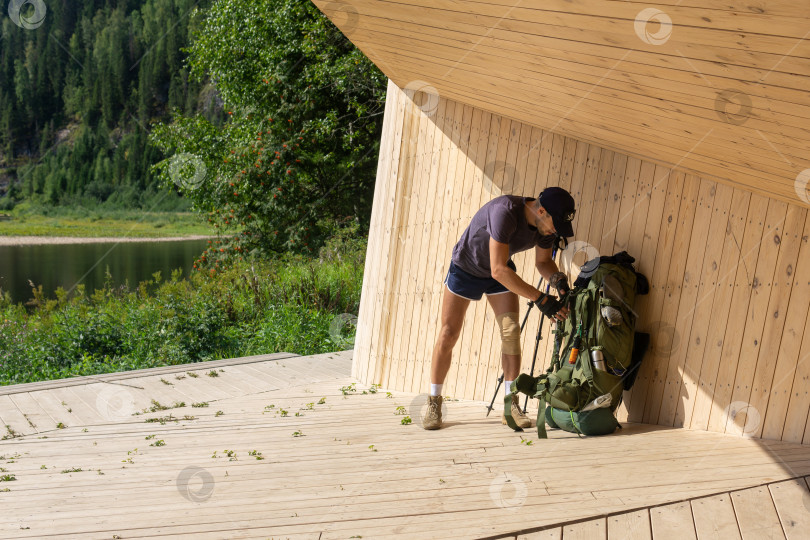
(67, 265)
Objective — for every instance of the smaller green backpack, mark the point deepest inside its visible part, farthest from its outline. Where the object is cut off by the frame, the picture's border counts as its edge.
(582, 398)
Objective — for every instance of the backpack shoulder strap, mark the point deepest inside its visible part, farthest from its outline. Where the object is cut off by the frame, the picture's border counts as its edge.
(507, 412)
(541, 414)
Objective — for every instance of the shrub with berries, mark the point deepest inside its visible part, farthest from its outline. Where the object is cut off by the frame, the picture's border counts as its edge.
(297, 151)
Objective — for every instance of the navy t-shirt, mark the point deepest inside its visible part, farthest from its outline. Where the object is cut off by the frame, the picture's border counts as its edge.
(503, 219)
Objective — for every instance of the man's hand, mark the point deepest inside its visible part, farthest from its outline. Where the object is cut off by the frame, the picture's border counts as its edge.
(559, 281)
(551, 307)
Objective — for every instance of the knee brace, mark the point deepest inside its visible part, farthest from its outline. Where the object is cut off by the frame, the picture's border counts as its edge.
(510, 332)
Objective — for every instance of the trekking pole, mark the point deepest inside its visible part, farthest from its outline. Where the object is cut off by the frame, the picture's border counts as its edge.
(534, 355)
(539, 331)
(498, 387)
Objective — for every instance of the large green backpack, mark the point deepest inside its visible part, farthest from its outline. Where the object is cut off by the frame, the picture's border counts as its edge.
(580, 397)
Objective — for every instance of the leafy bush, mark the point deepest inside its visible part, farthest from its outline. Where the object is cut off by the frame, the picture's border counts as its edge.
(7, 203)
(237, 309)
(299, 148)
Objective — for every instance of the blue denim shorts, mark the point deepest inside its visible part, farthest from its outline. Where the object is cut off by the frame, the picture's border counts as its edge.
(473, 287)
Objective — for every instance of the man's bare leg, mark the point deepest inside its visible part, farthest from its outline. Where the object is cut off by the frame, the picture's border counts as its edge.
(454, 308)
(506, 303)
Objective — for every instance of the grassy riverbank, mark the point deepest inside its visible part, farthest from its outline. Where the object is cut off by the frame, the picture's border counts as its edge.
(84, 223)
(292, 304)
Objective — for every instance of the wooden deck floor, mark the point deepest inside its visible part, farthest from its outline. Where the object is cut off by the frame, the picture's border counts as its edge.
(778, 510)
(343, 466)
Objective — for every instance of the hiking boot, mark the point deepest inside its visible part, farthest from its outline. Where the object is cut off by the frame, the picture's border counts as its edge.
(520, 419)
(433, 416)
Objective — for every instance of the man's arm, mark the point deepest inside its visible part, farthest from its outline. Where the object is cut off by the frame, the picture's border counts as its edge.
(544, 263)
(498, 257)
(548, 269)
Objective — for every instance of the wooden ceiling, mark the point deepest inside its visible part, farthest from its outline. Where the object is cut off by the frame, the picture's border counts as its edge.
(716, 88)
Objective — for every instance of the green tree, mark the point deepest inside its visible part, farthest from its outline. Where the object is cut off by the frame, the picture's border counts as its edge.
(298, 149)
(95, 72)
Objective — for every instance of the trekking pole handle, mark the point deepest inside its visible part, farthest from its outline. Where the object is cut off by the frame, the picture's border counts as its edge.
(530, 304)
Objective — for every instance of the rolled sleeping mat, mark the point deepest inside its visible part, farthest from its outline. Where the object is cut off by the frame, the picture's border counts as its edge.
(641, 342)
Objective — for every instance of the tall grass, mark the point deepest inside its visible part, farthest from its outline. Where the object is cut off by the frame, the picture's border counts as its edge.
(84, 221)
(250, 307)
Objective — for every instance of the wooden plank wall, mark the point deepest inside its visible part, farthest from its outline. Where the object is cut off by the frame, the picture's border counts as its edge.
(715, 87)
(729, 269)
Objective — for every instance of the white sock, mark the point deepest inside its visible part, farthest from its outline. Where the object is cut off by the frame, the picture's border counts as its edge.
(436, 389)
(507, 386)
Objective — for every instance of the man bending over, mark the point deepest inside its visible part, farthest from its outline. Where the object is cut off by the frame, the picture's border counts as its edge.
(481, 264)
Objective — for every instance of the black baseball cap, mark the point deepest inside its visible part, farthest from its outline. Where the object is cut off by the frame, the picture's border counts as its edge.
(560, 204)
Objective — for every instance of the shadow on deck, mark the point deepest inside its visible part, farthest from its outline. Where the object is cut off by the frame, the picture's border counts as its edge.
(287, 448)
